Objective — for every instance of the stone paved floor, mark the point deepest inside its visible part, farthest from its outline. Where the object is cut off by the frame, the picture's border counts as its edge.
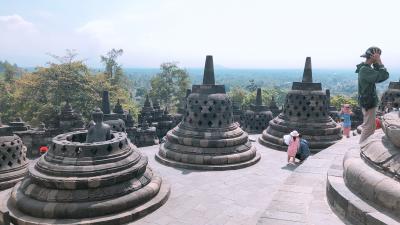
(268, 192)
(301, 199)
(219, 197)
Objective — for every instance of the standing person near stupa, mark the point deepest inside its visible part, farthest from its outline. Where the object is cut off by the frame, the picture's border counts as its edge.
(370, 72)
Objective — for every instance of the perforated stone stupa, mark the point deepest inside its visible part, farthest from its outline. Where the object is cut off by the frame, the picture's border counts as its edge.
(305, 110)
(257, 118)
(87, 177)
(19, 125)
(117, 113)
(69, 119)
(164, 124)
(147, 111)
(208, 138)
(13, 161)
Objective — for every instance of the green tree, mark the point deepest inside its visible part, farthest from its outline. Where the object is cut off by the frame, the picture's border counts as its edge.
(237, 94)
(278, 93)
(7, 101)
(41, 93)
(267, 94)
(110, 62)
(10, 72)
(141, 91)
(169, 86)
(38, 96)
(339, 100)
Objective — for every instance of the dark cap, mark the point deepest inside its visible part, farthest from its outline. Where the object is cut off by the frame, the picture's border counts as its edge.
(370, 51)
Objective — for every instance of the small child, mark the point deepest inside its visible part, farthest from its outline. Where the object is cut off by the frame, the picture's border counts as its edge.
(294, 145)
(346, 113)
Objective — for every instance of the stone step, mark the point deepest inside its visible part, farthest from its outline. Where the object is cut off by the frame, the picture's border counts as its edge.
(349, 205)
(301, 199)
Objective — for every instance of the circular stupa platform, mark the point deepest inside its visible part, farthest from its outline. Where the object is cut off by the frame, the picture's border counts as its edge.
(370, 185)
(106, 182)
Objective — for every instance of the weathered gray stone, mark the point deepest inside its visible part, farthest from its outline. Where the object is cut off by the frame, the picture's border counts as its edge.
(257, 118)
(104, 181)
(208, 138)
(391, 127)
(164, 124)
(391, 97)
(99, 131)
(370, 183)
(305, 110)
(13, 161)
(66, 121)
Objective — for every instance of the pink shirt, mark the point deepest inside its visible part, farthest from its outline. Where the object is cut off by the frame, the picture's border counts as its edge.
(293, 146)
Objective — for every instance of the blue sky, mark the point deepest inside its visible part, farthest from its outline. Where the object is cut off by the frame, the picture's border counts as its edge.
(240, 34)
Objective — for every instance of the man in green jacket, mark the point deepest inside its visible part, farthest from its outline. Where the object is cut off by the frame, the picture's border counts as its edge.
(370, 72)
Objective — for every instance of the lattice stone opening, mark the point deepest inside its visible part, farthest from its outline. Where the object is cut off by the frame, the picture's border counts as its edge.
(94, 151)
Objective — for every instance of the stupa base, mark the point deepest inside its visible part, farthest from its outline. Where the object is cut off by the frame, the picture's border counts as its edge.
(10, 213)
(350, 205)
(277, 144)
(234, 166)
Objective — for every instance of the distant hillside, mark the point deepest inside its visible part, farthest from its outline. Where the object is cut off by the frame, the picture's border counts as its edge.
(338, 81)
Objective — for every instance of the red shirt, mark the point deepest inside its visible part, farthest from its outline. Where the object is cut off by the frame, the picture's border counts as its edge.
(43, 149)
(378, 123)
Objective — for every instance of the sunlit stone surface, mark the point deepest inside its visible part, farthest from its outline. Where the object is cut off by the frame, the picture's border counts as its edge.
(305, 110)
(208, 138)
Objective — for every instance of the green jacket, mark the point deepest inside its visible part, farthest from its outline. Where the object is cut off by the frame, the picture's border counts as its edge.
(367, 78)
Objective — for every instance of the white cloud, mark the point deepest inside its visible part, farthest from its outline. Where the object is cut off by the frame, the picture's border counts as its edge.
(97, 29)
(16, 23)
(239, 33)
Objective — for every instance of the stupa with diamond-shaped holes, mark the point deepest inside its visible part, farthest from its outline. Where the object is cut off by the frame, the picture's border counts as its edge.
(305, 110)
(208, 138)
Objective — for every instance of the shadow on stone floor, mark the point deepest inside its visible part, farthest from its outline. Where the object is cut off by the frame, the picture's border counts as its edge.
(187, 171)
(290, 167)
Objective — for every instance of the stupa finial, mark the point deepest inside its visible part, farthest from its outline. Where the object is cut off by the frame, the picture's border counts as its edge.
(258, 97)
(106, 103)
(307, 75)
(208, 77)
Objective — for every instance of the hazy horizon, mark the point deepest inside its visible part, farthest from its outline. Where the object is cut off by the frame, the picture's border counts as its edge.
(239, 34)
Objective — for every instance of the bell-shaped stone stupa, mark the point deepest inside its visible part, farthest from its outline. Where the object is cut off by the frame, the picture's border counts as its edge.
(87, 177)
(305, 110)
(208, 138)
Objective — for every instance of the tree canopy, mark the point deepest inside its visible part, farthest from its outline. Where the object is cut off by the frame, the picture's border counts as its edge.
(339, 100)
(38, 96)
(246, 97)
(170, 84)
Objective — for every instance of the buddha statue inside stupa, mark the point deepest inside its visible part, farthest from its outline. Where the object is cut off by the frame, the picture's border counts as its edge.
(99, 131)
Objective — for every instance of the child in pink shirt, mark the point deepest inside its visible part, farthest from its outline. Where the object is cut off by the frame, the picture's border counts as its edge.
(294, 145)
